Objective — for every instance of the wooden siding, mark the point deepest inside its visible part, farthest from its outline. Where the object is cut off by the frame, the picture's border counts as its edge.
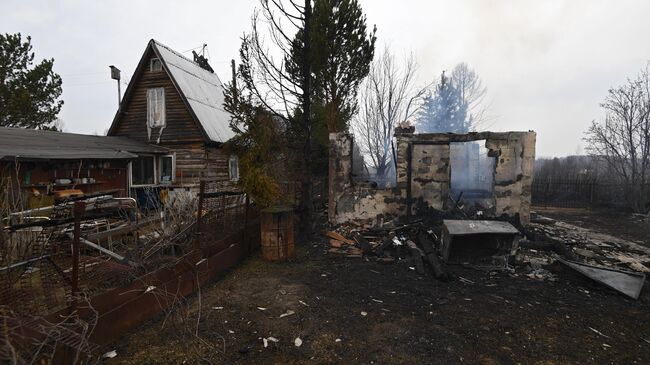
(194, 162)
(132, 119)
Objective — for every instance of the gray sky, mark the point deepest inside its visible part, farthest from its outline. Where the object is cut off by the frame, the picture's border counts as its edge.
(547, 64)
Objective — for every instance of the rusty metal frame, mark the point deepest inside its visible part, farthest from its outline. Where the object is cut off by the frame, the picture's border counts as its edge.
(122, 309)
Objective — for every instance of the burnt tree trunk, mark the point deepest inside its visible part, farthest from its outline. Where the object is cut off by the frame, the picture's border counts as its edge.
(432, 258)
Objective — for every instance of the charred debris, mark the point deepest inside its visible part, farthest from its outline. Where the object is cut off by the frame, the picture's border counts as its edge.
(433, 246)
(464, 200)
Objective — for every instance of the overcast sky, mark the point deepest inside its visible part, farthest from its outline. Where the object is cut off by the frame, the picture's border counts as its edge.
(547, 64)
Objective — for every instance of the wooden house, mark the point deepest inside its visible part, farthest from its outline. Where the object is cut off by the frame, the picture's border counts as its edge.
(177, 103)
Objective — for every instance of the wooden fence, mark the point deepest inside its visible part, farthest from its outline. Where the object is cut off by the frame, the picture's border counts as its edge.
(580, 193)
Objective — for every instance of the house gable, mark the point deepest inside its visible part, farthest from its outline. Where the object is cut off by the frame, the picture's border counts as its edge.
(131, 119)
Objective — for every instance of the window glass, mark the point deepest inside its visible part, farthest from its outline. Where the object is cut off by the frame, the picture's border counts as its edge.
(233, 168)
(156, 65)
(142, 171)
(166, 169)
(156, 107)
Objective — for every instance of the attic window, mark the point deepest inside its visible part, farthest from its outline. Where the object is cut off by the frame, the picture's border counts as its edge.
(233, 167)
(155, 65)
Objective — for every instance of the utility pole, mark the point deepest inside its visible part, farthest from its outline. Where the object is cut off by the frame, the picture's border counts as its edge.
(234, 81)
(115, 75)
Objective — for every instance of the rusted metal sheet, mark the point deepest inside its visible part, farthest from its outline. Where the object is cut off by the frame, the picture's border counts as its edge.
(124, 308)
(276, 226)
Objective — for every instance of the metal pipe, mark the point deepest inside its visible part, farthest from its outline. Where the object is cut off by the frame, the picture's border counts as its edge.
(18, 264)
(99, 248)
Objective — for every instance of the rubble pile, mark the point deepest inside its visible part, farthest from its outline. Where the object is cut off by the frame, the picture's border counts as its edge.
(413, 242)
(589, 246)
(425, 247)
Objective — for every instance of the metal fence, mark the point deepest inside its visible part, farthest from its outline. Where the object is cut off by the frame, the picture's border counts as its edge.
(65, 275)
(221, 212)
(579, 193)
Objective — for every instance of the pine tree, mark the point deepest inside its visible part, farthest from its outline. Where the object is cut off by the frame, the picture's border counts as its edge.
(343, 50)
(444, 110)
(28, 95)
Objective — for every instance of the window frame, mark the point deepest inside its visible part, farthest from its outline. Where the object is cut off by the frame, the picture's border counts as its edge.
(150, 118)
(155, 172)
(173, 173)
(151, 63)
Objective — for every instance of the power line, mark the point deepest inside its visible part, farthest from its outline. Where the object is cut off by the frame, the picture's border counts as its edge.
(83, 73)
(191, 49)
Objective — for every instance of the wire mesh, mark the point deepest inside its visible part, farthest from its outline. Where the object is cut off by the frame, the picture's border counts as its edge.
(36, 262)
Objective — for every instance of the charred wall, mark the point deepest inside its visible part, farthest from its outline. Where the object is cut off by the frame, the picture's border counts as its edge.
(423, 173)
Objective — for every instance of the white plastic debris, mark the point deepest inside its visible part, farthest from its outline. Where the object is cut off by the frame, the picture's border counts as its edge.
(363, 313)
(297, 342)
(150, 288)
(110, 354)
(217, 308)
(231, 331)
(261, 308)
(266, 340)
(287, 313)
(337, 340)
(598, 332)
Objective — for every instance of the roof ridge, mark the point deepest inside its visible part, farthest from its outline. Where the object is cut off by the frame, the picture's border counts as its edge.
(157, 43)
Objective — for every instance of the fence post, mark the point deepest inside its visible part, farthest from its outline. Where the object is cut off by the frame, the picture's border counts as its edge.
(199, 216)
(78, 210)
(248, 245)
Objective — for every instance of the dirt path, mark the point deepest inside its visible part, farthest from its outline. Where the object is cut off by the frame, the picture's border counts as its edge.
(488, 319)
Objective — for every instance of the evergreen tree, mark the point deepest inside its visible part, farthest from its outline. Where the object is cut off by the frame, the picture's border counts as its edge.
(343, 50)
(28, 93)
(444, 110)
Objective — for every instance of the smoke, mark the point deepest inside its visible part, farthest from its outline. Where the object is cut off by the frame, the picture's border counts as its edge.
(472, 170)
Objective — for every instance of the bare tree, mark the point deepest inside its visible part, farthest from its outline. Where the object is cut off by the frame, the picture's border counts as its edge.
(471, 92)
(387, 97)
(622, 140)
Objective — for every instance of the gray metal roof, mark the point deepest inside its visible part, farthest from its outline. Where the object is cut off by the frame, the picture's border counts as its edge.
(202, 89)
(29, 144)
(466, 227)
